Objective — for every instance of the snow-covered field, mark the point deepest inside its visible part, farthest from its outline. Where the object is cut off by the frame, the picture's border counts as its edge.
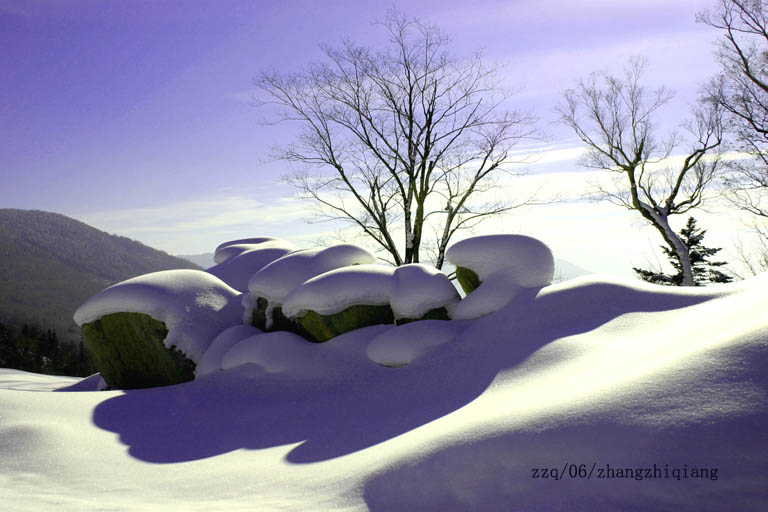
(583, 380)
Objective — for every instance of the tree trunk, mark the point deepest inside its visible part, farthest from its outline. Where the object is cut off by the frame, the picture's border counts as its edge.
(661, 223)
(418, 225)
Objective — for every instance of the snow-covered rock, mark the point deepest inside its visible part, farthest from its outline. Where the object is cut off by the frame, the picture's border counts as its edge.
(232, 248)
(504, 266)
(194, 305)
(352, 297)
(237, 269)
(277, 279)
(411, 290)
(419, 289)
(334, 291)
(526, 259)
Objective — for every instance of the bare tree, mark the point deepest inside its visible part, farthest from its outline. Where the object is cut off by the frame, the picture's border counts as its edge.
(741, 90)
(616, 118)
(401, 138)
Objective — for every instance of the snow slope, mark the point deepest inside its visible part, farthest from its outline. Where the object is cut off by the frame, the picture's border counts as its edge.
(579, 378)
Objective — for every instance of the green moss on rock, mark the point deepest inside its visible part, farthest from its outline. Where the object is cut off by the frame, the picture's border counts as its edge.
(468, 279)
(128, 350)
(432, 314)
(280, 322)
(321, 328)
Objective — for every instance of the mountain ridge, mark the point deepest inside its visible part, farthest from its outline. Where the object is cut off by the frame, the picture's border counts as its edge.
(51, 263)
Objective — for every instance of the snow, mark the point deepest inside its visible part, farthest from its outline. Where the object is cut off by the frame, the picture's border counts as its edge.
(411, 290)
(419, 288)
(194, 305)
(211, 360)
(404, 344)
(334, 291)
(274, 352)
(237, 269)
(591, 373)
(277, 279)
(232, 248)
(505, 264)
(525, 259)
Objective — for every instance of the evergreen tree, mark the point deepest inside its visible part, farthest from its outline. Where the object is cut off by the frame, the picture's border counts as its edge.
(704, 270)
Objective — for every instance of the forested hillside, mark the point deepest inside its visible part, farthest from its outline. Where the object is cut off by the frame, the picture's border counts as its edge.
(50, 264)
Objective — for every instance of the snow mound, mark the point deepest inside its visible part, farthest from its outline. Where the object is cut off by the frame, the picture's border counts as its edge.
(411, 290)
(334, 291)
(505, 265)
(420, 288)
(526, 259)
(232, 248)
(404, 344)
(194, 305)
(276, 352)
(237, 269)
(277, 279)
(211, 360)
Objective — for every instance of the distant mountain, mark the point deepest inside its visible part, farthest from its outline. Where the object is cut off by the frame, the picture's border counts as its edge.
(204, 260)
(50, 264)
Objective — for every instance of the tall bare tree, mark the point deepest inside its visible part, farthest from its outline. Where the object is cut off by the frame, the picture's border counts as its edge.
(394, 140)
(741, 90)
(616, 117)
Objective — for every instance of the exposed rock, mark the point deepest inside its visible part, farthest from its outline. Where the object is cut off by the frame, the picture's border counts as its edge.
(129, 352)
(321, 328)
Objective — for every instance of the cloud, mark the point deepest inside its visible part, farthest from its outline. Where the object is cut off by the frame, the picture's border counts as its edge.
(198, 226)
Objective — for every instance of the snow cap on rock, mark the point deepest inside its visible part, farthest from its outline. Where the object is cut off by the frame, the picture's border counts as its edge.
(420, 288)
(236, 270)
(335, 291)
(194, 305)
(528, 260)
(232, 248)
(278, 278)
(505, 265)
(411, 290)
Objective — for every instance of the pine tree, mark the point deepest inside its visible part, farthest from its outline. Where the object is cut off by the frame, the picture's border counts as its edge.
(704, 270)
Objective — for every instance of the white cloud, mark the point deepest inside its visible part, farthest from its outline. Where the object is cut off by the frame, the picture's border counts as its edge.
(598, 236)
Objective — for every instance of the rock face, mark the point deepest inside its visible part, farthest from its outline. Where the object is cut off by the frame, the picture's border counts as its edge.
(129, 352)
(468, 279)
(324, 327)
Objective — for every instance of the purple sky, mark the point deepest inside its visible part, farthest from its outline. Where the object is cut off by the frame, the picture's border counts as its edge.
(134, 115)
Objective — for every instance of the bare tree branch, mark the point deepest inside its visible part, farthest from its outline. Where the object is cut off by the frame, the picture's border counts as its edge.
(741, 90)
(615, 118)
(387, 132)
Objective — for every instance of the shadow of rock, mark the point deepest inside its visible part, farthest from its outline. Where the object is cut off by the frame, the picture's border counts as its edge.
(247, 408)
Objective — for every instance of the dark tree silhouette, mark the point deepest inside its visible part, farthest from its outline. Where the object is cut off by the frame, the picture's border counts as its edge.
(401, 141)
(741, 90)
(616, 118)
(704, 270)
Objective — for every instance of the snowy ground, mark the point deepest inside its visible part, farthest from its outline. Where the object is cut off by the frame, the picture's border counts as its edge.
(576, 378)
